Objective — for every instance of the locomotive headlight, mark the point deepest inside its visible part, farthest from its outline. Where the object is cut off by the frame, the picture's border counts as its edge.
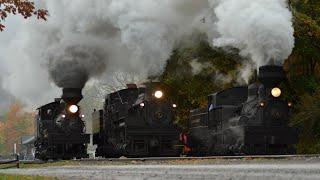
(158, 94)
(276, 92)
(73, 108)
(63, 115)
(82, 115)
(290, 104)
(174, 105)
(141, 104)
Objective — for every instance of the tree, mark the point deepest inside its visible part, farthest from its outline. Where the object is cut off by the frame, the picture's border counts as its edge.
(118, 81)
(307, 119)
(192, 73)
(305, 59)
(303, 68)
(17, 123)
(25, 8)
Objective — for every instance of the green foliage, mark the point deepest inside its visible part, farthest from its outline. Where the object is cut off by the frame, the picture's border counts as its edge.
(307, 119)
(309, 7)
(305, 58)
(192, 73)
(303, 70)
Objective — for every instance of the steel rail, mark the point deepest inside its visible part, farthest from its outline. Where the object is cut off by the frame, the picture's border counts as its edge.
(204, 158)
(142, 159)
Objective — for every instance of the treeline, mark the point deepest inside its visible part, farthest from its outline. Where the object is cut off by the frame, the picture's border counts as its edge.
(195, 71)
(14, 124)
(303, 68)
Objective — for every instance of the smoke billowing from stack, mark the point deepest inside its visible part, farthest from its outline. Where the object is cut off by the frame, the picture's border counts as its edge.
(96, 38)
(72, 67)
(262, 30)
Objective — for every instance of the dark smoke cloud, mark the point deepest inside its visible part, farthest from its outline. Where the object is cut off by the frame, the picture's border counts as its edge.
(75, 65)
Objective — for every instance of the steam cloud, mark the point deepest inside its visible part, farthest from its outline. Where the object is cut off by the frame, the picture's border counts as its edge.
(95, 39)
(262, 30)
(6, 100)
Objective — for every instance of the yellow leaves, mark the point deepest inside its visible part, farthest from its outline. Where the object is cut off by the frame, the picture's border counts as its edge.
(25, 8)
(306, 25)
(17, 123)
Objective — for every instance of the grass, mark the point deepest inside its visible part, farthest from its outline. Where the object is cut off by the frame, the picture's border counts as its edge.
(24, 177)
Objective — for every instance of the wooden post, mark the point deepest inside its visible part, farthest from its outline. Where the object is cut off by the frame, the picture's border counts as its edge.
(18, 161)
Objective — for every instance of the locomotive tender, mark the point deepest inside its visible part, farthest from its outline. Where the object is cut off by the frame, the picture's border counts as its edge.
(245, 120)
(60, 128)
(136, 122)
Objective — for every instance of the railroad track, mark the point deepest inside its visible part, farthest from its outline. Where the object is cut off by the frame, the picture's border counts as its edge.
(123, 159)
(204, 158)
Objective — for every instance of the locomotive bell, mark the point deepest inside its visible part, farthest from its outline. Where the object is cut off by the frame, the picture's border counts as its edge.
(271, 75)
(71, 95)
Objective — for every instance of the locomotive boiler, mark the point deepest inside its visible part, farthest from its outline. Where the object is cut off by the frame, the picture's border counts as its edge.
(245, 120)
(60, 128)
(136, 122)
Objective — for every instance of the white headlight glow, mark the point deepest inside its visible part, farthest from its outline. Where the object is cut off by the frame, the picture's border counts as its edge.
(276, 92)
(158, 94)
(73, 108)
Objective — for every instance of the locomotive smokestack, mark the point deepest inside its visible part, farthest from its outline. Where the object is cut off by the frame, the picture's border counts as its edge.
(271, 75)
(72, 95)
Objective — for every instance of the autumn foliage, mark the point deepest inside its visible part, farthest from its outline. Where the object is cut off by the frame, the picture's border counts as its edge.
(15, 124)
(25, 8)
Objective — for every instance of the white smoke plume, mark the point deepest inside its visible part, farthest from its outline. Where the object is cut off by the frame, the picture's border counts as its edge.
(261, 29)
(97, 38)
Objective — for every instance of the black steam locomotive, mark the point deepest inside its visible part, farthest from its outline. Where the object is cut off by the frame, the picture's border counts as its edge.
(136, 122)
(60, 128)
(245, 120)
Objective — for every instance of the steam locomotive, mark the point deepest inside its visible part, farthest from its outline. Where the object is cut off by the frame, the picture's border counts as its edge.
(136, 122)
(60, 128)
(244, 120)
